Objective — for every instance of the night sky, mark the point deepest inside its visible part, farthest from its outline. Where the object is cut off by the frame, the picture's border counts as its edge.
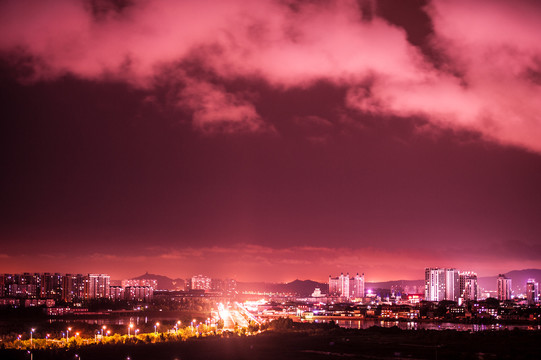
(270, 140)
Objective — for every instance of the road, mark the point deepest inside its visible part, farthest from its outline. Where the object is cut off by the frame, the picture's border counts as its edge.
(231, 317)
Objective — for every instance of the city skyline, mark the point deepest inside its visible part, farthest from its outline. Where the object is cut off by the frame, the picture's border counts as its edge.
(270, 140)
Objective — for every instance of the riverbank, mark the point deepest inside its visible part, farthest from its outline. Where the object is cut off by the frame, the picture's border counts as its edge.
(316, 342)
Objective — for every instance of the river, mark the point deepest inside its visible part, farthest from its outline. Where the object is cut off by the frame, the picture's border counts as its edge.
(417, 325)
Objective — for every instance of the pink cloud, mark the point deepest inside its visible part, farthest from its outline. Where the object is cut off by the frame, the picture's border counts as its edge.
(493, 53)
(233, 38)
(216, 110)
(497, 56)
(317, 41)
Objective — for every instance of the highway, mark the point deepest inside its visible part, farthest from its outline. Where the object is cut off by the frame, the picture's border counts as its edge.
(232, 316)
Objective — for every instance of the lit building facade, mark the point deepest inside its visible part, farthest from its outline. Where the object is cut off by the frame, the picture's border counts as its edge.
(442, 284)
(504, 288)
(344, 286)
(223, 286)
(339, 286)
(73, 287)
(434, 284)
(97, 286)
(139, 293)
(468, 285)
(51, 286)
(116, 293)
(356, 286)
(200, 282)
(48, 286)
(532, 291)
(452, 284)
(141, 282)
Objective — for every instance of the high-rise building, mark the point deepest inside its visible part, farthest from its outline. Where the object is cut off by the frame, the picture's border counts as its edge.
(339, 286)
(217, 285)
(24, 286)
(8, 280)
(97, 286)
(116, 293)
(468, 285)
(51, 286)
(452, 285)
(200, 282)
(139, 293)
(333, 286)
(230, 286)
(532, 291)
(356, 286)
(73, 287)
(504, 287)
(141, 282)
(441, 284)
(434, 284)
(344, 285)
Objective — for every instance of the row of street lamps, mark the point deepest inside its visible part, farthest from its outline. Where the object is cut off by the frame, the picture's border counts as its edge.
(108, 332)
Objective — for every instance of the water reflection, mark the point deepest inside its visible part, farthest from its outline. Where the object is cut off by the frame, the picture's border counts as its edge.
(415, 325)
(350, 324)
(117, 320)
(136, 320)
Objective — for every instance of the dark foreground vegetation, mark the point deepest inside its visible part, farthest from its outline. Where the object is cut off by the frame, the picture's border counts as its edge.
(294, 341)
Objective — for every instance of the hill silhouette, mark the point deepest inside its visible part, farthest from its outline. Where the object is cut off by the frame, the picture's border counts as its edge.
(164, 282)
(306, 287)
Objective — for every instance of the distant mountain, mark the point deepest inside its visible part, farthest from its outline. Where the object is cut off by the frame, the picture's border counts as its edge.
(164, 282)
(518, 280)
(306, 287)
(299, 287)
(411, 286)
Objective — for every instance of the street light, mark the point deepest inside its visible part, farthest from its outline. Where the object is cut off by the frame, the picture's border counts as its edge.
(129, 328)
(31, 332)
(136, 331)
(156, 328)
(68, 334)
(102, 329)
